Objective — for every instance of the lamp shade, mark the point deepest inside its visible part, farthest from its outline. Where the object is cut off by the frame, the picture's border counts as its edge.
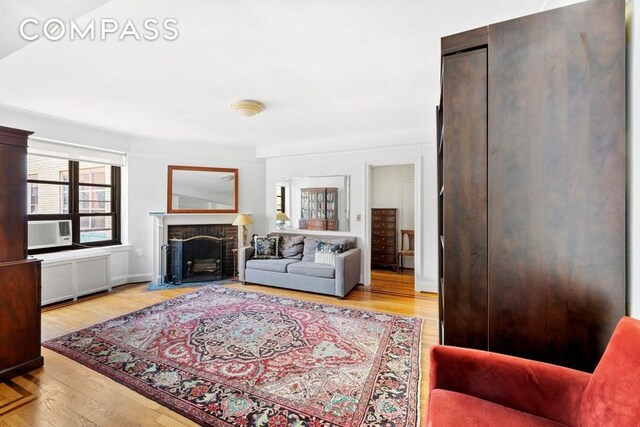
(281, 216)
(242, 219)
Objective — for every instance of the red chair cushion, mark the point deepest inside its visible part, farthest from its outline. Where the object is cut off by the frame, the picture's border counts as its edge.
(448, 408)
(612, 397)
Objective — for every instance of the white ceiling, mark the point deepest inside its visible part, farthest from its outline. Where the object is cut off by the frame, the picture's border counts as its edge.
(323, 69)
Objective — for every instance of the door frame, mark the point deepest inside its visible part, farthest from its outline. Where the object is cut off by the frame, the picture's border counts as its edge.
(417, 190)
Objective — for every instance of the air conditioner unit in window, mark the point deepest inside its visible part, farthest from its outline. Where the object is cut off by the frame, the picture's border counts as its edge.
(49, 234)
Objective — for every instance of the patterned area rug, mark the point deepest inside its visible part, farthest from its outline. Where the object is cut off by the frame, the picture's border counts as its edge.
(223, 357)
(156, 286)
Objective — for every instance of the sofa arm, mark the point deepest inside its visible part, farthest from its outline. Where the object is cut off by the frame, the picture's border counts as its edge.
(541, 389)
(244, 255)
(347, 271)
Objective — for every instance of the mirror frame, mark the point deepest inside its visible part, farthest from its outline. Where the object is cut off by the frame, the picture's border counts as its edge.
(172, 168)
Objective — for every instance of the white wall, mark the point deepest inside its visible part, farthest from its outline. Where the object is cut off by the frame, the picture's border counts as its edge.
(147, 189)
(393, 187)
(145, 180)
(355, 163)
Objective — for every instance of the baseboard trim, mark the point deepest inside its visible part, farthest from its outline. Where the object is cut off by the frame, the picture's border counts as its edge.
(140, 277)
(427, 287)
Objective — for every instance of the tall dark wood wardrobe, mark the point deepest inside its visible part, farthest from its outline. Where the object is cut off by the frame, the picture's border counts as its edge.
(19, 275)
(531, 171)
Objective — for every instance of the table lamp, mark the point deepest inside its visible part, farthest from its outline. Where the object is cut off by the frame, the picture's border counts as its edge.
(281, 218)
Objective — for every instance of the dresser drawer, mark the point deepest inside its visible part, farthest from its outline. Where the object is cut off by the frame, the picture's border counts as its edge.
(386, 212)
(383, 259)
(383, 250)
(383, 241)
(383, 233)
(383, 218)
(384, 225)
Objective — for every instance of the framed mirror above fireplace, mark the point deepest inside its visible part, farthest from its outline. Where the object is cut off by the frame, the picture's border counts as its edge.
(195, 189)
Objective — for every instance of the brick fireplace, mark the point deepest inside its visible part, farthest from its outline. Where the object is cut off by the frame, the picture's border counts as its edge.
(192, 257)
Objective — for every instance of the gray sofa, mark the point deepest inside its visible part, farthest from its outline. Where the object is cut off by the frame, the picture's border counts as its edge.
(304, 274)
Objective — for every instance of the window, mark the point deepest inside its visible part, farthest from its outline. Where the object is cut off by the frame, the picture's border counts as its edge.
(86, 193)
(32, 196)
(280, 198)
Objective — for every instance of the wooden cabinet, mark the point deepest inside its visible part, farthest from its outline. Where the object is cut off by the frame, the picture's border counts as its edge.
(531, 173)
(318, 209)
(384, 238)
(19, 276)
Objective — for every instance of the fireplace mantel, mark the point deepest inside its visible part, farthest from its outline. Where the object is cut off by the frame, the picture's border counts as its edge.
(163, 220)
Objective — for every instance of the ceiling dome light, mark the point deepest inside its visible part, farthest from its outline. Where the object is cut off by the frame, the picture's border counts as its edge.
(247, 107)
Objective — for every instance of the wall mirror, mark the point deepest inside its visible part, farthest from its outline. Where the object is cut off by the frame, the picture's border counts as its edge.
(314, 202)
(193, 189)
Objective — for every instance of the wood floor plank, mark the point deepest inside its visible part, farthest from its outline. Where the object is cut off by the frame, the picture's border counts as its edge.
(66, 393)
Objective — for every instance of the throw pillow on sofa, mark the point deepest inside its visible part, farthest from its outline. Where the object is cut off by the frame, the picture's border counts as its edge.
(311, 243)
(326, 252)
(267, 247)
(292, 246)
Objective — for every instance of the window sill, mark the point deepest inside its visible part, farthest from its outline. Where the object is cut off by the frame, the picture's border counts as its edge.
(75, 254)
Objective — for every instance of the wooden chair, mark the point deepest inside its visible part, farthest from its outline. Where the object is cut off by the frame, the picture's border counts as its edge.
(405, 252)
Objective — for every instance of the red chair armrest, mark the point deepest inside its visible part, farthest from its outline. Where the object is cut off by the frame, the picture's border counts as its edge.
(541, 389)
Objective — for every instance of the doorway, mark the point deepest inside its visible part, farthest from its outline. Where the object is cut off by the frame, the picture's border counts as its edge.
(392, 228)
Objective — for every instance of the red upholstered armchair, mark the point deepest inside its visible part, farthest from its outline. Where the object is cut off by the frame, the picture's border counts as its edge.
(478, 388)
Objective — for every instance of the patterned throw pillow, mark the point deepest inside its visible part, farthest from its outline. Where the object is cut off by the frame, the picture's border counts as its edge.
(266, 247)
(326, 253)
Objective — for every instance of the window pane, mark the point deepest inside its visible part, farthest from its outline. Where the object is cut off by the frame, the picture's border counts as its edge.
(95, 199)
(95, 228)
(47, 168)
(93, 173)
(47, 199)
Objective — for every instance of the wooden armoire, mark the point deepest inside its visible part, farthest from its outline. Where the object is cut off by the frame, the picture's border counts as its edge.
(19, 275)
(531, 171)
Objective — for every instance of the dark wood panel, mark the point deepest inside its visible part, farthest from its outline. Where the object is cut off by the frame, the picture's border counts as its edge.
(557, 182)
(465, 199)
(466, 40)
(13, 194)
(19, 317)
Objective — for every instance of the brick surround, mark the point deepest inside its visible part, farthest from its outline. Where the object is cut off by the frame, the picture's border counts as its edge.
(213, 230)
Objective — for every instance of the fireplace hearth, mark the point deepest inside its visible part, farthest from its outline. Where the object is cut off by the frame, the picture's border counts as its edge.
(200, 253)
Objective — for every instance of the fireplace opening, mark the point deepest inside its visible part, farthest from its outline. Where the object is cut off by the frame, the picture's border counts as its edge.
(199, 259)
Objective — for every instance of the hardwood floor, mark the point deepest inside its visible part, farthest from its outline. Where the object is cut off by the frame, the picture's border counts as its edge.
(65, 393)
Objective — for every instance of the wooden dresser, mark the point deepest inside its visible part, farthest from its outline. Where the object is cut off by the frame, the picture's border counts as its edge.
(19, 276)
(384, 238)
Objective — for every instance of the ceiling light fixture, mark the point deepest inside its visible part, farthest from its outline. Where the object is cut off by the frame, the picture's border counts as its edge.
(248, 107)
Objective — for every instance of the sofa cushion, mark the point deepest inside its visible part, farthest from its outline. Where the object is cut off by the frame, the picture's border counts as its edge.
(275, 265)
(292, 246)
(448, 408)
(310, 268)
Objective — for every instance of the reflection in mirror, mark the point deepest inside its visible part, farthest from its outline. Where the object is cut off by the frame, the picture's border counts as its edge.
(314, 203)
(202, 190)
